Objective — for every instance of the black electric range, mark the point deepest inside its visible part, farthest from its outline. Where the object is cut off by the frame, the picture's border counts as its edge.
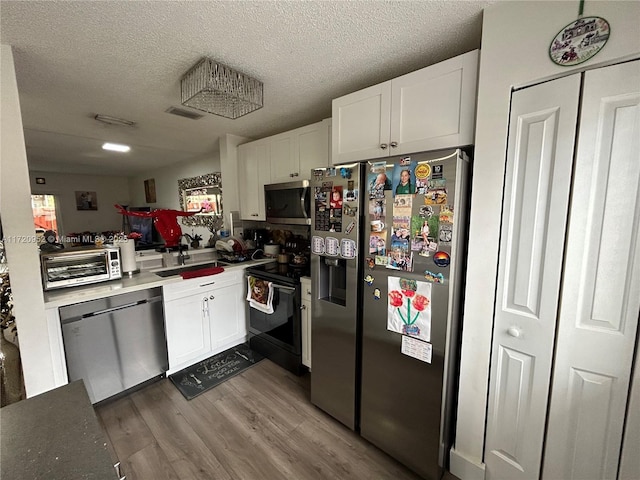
(278, 335)
(288, 274)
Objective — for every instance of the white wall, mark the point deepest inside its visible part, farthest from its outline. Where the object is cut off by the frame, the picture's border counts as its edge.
(17, 223)
(229, 168)
(166, 180)
(515, 42)
(109, 190)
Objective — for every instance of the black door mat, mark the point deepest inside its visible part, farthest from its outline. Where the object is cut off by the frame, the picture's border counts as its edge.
(198, 378)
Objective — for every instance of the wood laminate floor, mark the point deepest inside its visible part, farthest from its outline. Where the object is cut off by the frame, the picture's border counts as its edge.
(257, 425)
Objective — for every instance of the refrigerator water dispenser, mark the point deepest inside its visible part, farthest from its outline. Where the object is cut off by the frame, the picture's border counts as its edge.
(333, 280)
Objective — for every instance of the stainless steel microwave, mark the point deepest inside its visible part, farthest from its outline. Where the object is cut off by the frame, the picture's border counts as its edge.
(80, 266)
(288, 203)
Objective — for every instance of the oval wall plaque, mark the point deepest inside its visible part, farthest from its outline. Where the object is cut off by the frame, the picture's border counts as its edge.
(579, 41)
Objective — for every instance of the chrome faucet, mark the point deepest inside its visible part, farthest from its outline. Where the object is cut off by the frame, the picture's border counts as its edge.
(181, 256)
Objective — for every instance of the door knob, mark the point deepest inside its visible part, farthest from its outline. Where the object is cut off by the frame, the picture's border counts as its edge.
(515, 332)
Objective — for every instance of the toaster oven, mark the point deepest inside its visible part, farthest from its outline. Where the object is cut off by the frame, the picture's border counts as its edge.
(80, 266)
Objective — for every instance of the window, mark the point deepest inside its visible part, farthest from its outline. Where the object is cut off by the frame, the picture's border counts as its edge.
(44, 213)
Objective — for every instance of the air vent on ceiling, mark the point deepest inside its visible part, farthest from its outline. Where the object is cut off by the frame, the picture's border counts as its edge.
(184, 113)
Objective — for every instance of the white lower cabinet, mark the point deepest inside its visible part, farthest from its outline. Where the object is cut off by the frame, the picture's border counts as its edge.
(203, 316)
(226, 314)
(306, 321)
(188, 329)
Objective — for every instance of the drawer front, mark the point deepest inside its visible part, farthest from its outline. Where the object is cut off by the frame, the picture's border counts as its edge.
(193, 285)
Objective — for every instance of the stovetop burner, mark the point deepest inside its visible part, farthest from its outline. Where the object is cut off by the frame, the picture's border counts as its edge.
(278, 272)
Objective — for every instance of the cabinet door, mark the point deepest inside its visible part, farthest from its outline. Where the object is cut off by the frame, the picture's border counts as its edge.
(284, 161)
(313, 149)
(254, 174)
(226, 315)
(601, 288)
(536, 195)
(187, 327)
(360, 124)
(434, 108)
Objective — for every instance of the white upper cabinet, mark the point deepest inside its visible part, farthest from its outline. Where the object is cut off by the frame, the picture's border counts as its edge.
(254, 173)
(294, 153)
(284, 162)
(429, 109)
(361, 124)
(313, 147)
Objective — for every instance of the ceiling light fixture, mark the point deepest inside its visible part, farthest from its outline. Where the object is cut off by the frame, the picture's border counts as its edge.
(114, 120)
(215, 88)
(116, 147)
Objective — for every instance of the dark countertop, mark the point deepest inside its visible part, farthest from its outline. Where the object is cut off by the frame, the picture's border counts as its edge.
(54, 436)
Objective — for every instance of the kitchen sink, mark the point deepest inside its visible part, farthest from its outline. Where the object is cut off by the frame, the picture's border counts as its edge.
(188, 268)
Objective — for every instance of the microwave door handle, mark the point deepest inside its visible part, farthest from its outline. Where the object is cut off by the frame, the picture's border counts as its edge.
(303, 200)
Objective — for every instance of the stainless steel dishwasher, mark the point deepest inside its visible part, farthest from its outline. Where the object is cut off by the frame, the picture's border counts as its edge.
(115, 343)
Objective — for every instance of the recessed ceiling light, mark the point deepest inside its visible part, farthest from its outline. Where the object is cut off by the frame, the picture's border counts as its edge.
(116, 147)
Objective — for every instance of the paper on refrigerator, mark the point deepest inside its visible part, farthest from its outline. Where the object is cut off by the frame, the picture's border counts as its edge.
(409, 307)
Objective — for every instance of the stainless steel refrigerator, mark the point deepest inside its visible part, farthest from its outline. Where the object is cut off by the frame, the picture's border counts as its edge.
(388, 243)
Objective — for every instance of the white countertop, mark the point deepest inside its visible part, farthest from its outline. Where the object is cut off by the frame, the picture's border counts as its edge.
(138, 281)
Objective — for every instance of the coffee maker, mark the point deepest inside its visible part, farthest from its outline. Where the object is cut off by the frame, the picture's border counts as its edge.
(260, 237)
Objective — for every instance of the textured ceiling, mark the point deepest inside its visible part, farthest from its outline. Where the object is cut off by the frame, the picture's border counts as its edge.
(125, 59)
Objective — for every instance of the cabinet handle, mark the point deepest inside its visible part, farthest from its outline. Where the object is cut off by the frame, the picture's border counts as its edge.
(303, 307)
(118, 469)
(308, 292)
(212, 297)
(254, 214)
(393, 144)
(291, 174)
(383, 146)
(294, 174)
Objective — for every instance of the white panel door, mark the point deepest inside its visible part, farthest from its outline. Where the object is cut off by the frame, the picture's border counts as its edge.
(537, 184)
(361, 124)
(601, 285)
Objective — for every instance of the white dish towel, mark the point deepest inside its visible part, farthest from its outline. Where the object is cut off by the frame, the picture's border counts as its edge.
(260, 294)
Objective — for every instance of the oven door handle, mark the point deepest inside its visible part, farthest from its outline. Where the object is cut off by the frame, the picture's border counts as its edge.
(282, 287)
